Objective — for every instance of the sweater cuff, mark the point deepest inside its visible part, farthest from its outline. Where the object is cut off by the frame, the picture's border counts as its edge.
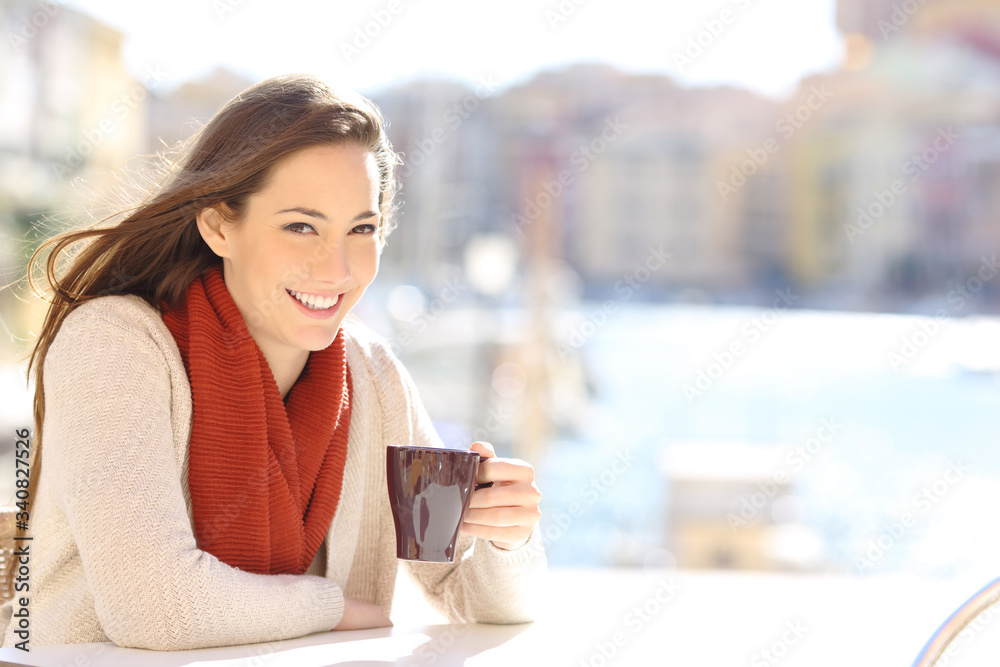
(532, 549)
(330, 600)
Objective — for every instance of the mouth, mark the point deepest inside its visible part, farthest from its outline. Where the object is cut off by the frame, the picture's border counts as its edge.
(315, 301)
(318, 303)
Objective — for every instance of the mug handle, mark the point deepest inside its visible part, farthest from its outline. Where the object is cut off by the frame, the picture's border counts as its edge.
(487, 484)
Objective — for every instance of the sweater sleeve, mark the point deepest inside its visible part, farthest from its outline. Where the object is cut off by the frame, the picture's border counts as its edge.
(109, 451)
(485, 584)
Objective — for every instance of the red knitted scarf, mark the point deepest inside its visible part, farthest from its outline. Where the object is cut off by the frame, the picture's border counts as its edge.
(264, 475)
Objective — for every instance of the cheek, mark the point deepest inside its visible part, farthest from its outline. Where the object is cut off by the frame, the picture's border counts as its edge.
(270, 263)
(254, 257)
(366, 264)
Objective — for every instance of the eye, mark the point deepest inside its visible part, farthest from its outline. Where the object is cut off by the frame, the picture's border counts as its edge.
(299, 228)
(366, 229)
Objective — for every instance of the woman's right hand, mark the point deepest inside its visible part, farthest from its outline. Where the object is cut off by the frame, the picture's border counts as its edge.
(362, 616)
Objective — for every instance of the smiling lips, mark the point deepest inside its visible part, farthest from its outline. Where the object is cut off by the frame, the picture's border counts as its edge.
(316, 305)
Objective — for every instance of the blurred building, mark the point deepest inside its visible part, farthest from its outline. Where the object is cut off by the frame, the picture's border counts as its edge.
(645, 190)
(622, 165)
(603, 172)
(892, 183)
(69, 114)
(880, 20)
(632, 186)
(611, 185)
(68, 104)
(175, 115)
(449, 175)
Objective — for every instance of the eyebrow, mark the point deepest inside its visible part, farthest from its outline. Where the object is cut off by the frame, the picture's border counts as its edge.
(313, 213)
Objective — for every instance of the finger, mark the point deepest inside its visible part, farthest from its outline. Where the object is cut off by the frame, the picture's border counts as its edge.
(486, 452)
(505, 470)
(510, 534)
(508, 495)
(484, 448)
(361, 616)
(499, 517)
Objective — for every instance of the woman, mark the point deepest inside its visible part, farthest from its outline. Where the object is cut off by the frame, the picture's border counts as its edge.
(215, 429)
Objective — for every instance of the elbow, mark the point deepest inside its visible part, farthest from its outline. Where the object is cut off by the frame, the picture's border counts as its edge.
(501, 607)
(151, 637)
(509, 617)
(155, 613)
(154, 629)
(159, 641)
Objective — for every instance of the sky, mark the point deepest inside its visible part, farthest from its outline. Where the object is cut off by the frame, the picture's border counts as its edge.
(763, 45)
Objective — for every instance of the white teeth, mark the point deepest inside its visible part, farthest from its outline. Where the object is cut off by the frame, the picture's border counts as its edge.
(314, 302)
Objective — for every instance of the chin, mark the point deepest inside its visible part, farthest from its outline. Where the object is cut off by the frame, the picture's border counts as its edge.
(320, 342)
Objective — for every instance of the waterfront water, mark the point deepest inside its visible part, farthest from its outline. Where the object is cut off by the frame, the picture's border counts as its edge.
(917, 402)
(905, 422)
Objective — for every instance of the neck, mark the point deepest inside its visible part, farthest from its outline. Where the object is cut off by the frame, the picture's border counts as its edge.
(285, 368)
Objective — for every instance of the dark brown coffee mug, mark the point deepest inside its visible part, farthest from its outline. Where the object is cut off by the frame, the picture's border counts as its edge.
(429, 491)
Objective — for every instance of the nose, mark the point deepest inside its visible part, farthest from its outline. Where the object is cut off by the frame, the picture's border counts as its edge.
(328, 263)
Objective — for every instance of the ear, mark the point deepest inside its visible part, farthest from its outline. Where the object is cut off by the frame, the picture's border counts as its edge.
(213, 227)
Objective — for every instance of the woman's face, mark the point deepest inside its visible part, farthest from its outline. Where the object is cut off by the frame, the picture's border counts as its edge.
(305, 250)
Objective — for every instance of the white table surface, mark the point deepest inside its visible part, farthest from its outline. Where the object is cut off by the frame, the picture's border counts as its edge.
(600, 618)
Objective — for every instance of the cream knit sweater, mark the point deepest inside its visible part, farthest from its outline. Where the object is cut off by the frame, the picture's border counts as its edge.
(114, 555)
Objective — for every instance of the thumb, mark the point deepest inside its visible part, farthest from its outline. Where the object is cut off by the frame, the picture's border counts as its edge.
(484, 448)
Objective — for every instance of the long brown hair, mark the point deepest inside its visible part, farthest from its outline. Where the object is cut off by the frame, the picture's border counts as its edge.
(155, 251)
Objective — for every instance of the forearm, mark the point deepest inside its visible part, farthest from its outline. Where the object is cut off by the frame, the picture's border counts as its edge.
(488, 585)
(110, 454)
